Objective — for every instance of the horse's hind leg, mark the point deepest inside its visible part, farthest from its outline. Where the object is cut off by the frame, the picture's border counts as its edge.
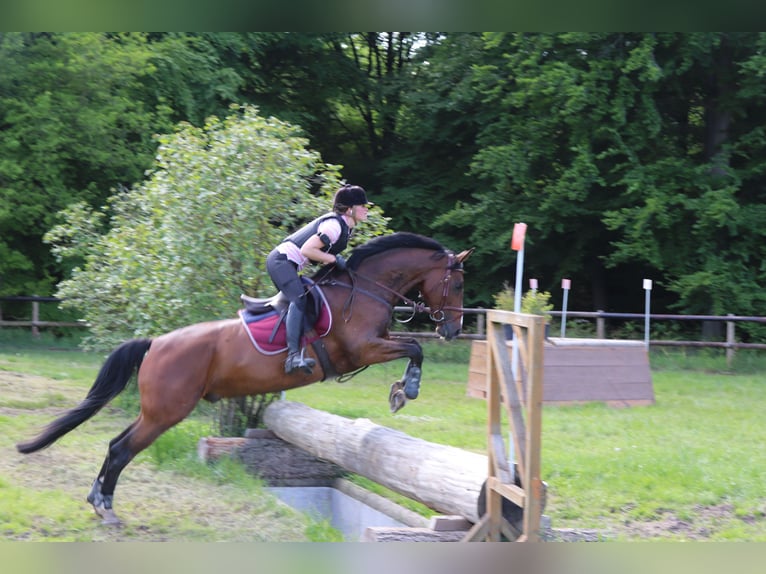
(122, 449)
(170, 382)
(102, 503)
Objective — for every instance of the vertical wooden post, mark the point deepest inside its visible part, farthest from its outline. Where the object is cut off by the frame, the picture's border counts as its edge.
(600, 326)
(521, 393)
(480, 323)
(532, 481)
(35, 318)
(730, 340)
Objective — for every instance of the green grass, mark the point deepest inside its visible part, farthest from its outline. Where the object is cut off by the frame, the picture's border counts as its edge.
(694, 456)
(64, 364)
(694, 447)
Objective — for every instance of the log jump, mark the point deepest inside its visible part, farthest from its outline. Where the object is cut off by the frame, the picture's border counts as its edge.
(444, 478)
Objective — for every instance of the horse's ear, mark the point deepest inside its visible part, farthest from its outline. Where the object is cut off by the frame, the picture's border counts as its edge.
(463, 255)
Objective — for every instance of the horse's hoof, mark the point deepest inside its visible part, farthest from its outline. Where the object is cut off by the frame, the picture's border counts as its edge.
(397, 401)
(397, 386)
(412, 389)
(108, 517)
(411, 381)
(396, 397)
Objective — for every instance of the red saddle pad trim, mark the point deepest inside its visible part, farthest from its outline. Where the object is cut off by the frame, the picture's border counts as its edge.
(260, 328)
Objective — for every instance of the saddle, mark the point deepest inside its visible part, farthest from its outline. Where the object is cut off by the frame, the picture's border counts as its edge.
(264, 319)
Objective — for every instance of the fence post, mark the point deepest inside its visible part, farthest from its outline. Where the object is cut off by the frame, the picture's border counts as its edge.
(730, 340)
(600, 326)
(35, 318)
(480, 323)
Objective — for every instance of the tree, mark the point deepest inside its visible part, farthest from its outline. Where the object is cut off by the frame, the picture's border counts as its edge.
(697, 187)
(184, 244)
(627, 155)
(73, 125)
(426, 172)
(365, 113)
(78, 115)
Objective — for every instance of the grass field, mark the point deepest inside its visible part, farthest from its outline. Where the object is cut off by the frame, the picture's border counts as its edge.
(689, 467)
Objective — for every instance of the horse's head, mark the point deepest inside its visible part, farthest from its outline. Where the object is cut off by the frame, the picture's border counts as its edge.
(391, 265)
(442, 290)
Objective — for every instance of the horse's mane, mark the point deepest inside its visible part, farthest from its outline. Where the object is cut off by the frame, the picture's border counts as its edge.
(399, 240)
(392, 241)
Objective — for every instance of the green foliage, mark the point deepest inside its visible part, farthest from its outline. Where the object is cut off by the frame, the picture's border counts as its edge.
(533, 302)
(537, 302)
(580, 140)
(629, 155)
(179, 443)
(183, 245)
(76, 122)
(426, 173)
(505, 299)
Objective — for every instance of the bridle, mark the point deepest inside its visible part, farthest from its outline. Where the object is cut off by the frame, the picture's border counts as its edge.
(436, 315)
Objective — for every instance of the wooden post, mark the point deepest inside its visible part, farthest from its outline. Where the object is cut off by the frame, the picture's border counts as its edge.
(480, 324)
(522, 396)
(35, 318)
(730, 340)
(600, 326)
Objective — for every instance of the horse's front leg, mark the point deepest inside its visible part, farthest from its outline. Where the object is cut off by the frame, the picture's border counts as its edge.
(409, 385)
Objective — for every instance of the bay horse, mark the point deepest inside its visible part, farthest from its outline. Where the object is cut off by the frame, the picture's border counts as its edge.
(217, 359)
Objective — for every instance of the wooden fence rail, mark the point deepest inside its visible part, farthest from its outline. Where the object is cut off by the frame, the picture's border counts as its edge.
(600, 317)
(34, 322)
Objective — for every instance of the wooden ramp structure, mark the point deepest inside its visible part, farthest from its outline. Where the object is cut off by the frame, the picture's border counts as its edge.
(614, 372)
(516, 384)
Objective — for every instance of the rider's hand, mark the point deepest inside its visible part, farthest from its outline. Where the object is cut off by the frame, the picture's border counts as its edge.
(340, 262)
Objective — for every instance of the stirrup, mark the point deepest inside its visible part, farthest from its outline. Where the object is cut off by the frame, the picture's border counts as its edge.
(296, 360)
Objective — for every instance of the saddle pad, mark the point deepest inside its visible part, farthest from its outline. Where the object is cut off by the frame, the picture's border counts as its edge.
(261, 327)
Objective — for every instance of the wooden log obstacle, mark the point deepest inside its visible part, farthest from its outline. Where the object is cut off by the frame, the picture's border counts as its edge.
(444, 478)
(308, 447)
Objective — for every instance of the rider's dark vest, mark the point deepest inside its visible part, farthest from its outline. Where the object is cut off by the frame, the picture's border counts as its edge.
(302, 235)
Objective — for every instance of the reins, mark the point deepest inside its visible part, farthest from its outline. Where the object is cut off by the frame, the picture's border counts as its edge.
(437, 315)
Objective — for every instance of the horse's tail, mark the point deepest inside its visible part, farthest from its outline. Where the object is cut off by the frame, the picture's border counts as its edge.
(111, 381)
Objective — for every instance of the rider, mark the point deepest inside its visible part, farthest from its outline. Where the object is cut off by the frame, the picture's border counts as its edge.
(319, 241)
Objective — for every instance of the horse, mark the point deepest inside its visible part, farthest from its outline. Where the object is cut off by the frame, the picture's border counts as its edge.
(217, 359)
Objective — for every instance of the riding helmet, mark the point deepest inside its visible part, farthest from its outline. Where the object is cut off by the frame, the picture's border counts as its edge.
(351, 195)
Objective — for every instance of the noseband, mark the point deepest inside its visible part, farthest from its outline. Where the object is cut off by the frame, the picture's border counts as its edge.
(437, 315)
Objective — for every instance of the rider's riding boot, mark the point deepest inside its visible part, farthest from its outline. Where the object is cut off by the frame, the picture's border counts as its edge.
(295, 359)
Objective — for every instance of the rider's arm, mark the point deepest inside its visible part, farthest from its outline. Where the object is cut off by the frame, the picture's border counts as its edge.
(312, 249)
